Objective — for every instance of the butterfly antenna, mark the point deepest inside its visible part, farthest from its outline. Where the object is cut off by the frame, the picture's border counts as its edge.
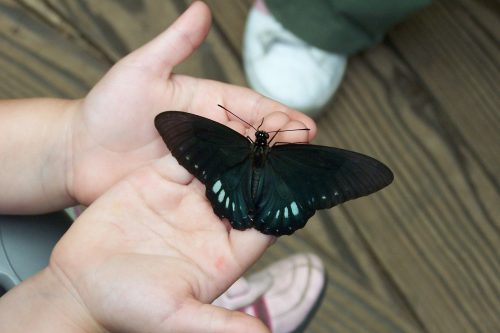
(287, 130)
(290, 130)
(272, 138)
(262, 122)
(243, 120)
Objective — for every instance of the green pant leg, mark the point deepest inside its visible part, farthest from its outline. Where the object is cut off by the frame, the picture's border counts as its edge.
(342, 26)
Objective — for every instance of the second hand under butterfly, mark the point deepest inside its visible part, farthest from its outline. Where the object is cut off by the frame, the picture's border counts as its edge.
(274, 189)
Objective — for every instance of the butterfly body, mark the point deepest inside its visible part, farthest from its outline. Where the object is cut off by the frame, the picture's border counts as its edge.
(260, 148)
(274, 189)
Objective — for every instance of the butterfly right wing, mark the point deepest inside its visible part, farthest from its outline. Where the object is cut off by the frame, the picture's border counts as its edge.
(299, 179)
(217, 156)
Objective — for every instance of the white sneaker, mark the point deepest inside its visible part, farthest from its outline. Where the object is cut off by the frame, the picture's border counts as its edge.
(281, 66)
(284, 295)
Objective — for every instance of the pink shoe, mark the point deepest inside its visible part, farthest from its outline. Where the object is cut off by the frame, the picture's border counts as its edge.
(284, 296)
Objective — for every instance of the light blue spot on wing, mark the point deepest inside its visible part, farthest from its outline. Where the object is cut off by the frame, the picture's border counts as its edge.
(285, 212)
(217, 186)
(221, 196)
(294, 208)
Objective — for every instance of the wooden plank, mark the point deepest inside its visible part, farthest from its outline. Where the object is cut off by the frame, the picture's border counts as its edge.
(116, 27)
(453, 45)
(429, 230)
(35, 60)
(453, 56)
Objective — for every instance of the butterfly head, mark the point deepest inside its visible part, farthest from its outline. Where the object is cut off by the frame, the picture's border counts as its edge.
(261, 138)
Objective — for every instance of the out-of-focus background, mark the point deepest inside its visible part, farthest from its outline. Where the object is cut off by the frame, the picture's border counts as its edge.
(423, 255)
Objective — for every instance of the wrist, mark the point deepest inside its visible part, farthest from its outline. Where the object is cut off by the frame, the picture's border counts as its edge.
(35, 135)
(72, 113)
(42, 304)
(60, 155)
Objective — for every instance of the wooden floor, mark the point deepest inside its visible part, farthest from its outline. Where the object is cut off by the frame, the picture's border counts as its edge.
(422, 255)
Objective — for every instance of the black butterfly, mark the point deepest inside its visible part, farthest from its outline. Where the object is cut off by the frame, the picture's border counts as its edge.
(274, 189)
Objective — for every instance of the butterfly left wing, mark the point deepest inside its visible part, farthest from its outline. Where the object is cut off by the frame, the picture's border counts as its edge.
(218, 156)
(299, 179)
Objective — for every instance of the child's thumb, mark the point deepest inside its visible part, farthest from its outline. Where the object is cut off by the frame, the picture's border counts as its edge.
(176, 43)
